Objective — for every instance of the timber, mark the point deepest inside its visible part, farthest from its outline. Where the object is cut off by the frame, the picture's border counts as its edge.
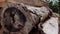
(21, 18)
(25, 17)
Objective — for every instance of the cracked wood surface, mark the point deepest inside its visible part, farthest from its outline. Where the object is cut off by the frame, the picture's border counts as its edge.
(34, 15)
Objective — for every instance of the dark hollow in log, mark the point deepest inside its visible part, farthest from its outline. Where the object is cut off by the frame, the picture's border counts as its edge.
(14, 17)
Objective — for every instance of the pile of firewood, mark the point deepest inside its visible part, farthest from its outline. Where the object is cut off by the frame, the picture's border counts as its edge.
(18, 18)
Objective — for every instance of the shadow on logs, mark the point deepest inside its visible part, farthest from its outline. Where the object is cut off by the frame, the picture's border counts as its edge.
(0, 17)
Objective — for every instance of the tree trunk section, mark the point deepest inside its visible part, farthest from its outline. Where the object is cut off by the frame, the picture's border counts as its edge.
(19, 18)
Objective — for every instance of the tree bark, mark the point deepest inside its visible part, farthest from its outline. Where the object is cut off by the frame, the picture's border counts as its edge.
(19, 18)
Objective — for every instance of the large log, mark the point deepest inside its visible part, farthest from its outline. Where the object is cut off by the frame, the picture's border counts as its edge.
(15, 18)
(20, 19)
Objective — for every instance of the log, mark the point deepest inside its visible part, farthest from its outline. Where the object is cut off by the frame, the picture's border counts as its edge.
(14, 18)
(19, 18)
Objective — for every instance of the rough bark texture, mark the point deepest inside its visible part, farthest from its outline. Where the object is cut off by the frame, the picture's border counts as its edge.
(18, 18)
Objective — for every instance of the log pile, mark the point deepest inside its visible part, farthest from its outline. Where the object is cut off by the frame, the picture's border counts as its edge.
(18, 18)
